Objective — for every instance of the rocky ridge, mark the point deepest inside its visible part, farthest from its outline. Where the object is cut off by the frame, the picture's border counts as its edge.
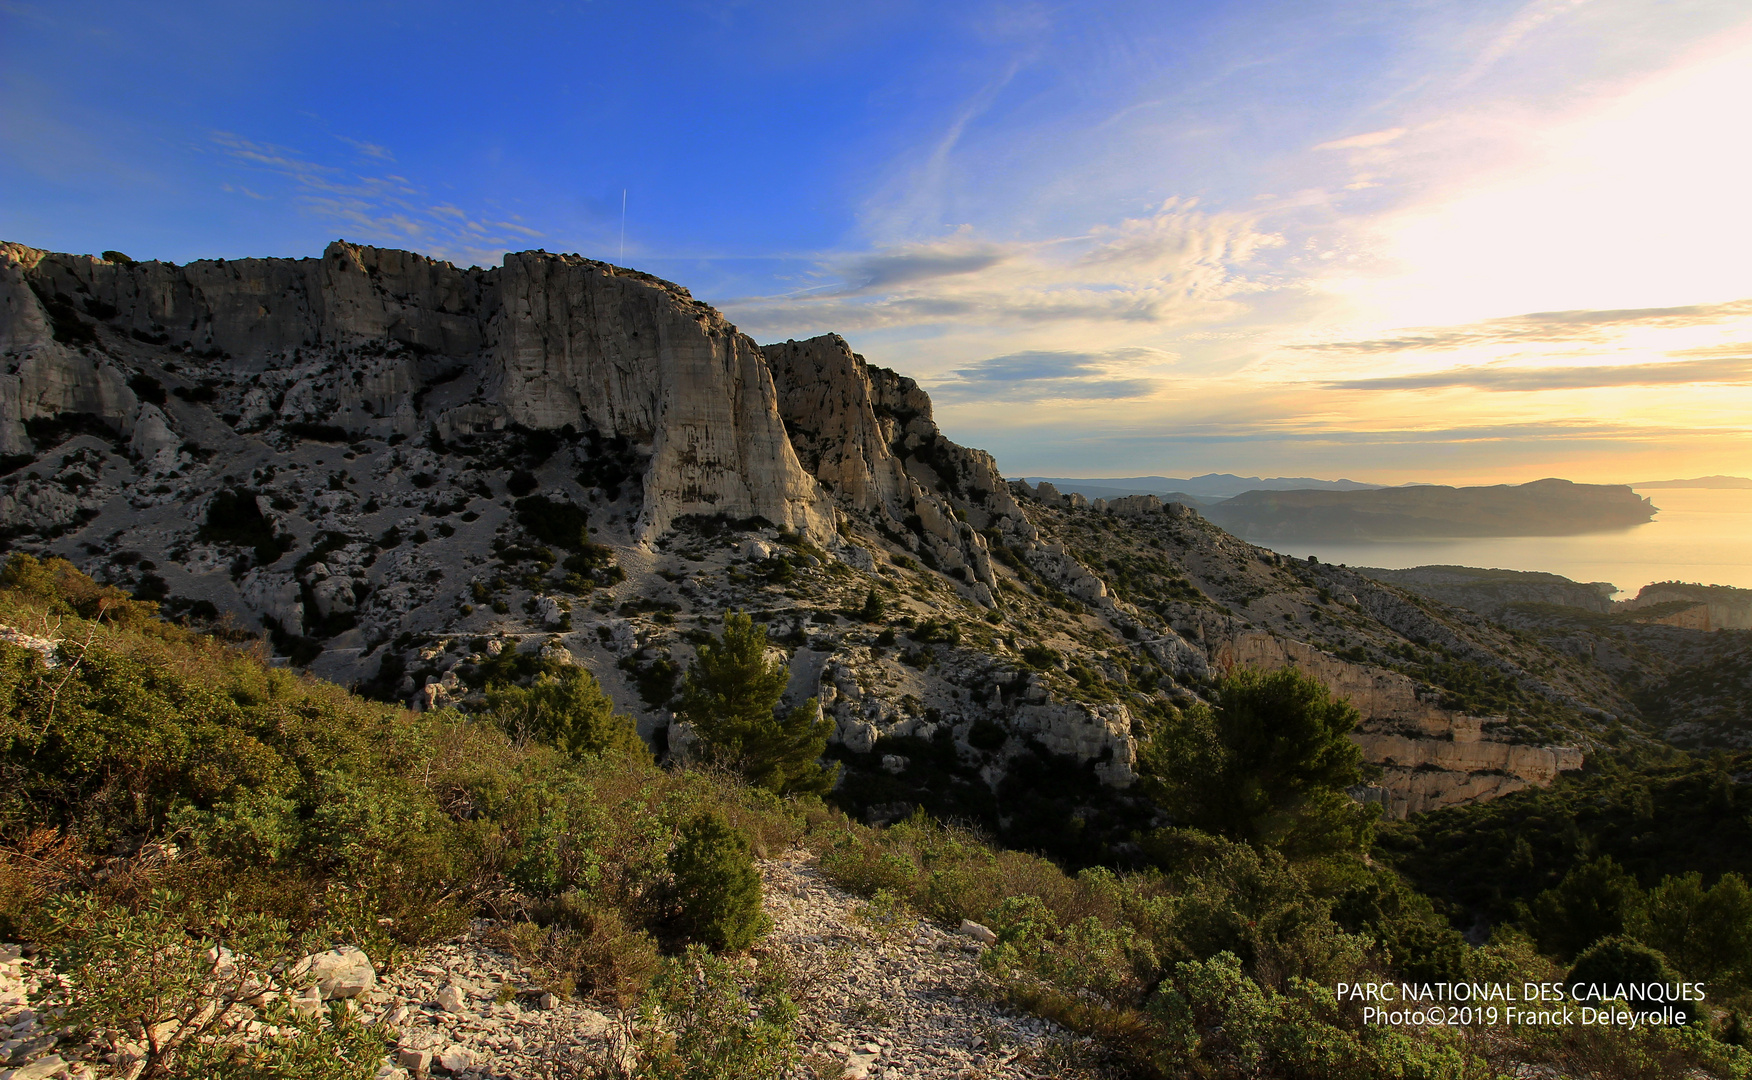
(398, 470)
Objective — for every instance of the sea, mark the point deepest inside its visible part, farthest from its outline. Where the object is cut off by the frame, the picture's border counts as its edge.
(1700, 535)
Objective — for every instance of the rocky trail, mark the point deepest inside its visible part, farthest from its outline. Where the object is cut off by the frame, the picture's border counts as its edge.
(879, 998)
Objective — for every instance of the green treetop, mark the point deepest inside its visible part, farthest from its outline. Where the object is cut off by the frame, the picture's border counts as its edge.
(730, 697)
(568, 710)
(1267, 763)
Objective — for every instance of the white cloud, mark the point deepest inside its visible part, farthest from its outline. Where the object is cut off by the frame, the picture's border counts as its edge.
(1365, 141)
(1175, 265)
(386, 209)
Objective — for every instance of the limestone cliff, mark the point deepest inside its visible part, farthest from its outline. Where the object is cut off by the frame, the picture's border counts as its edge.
(376, 342)
(867, 435)
(1695, 607)
(1429, 756)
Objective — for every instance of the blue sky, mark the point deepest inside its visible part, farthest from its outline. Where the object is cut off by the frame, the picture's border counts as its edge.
(1461, 241)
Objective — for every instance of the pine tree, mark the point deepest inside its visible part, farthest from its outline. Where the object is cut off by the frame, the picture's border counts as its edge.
(1269, 765)
(715, 885)
(873, 608)
(730, 697)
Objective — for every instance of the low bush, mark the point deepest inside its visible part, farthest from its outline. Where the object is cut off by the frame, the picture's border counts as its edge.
(194, 1002)
(575, 945)
(715, 887)
(704, 1021)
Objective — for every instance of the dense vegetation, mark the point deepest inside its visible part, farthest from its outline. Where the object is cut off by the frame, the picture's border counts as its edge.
(162, 792)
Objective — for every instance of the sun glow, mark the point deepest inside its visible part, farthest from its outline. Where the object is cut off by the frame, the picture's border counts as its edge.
(1637, 202)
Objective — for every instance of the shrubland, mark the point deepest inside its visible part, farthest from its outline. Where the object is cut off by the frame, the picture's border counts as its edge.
(180, 821)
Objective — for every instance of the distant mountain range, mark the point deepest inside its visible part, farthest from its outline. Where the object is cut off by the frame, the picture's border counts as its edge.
(1201, 489)
(1699, 482)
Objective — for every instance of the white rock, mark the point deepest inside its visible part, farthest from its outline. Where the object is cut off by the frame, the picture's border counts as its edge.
(152, 434)
(342, 972)
(456, 1058)
(451, 998)
(858, 736)
(41, 1069)
(550, 610)
(593, 1024)
(755, 550)
(978, 932)
(307, 1002)
(856, 557)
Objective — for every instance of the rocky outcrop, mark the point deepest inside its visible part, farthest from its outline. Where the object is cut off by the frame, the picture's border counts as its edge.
(373, 342)
(1430, 757)
(867, 435)
(1707, 607)
(1098, 733)
(576, 341)
(1421, 774)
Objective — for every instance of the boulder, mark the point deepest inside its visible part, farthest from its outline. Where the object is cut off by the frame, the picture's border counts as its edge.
(451, 998)
(340, 973)
(456, 1058)
(977, 931)
(415, 1061)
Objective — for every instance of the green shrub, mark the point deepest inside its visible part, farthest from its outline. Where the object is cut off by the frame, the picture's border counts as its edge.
(183, 997)
(568, 710)
(1419, 944)
(1616, 962)
(716, 888)
(559, 523)
(1706, 933)
(1270, 765)
(576, 945)
(702, 1022)
(1590, 903)
(887, 915)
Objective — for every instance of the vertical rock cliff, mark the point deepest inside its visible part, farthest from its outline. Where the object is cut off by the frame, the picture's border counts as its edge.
(369, 336)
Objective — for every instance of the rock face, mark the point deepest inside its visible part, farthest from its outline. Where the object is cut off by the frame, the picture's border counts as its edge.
(1707, 607)
(639, 357)
(376, 342)
(1430, 757)
(867, 435)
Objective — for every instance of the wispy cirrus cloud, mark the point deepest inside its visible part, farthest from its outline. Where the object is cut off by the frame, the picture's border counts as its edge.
(382, 207)
(1735, 369)
(1174, 265)
(1541, 327)
(1366, 141)
(1052, 376)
